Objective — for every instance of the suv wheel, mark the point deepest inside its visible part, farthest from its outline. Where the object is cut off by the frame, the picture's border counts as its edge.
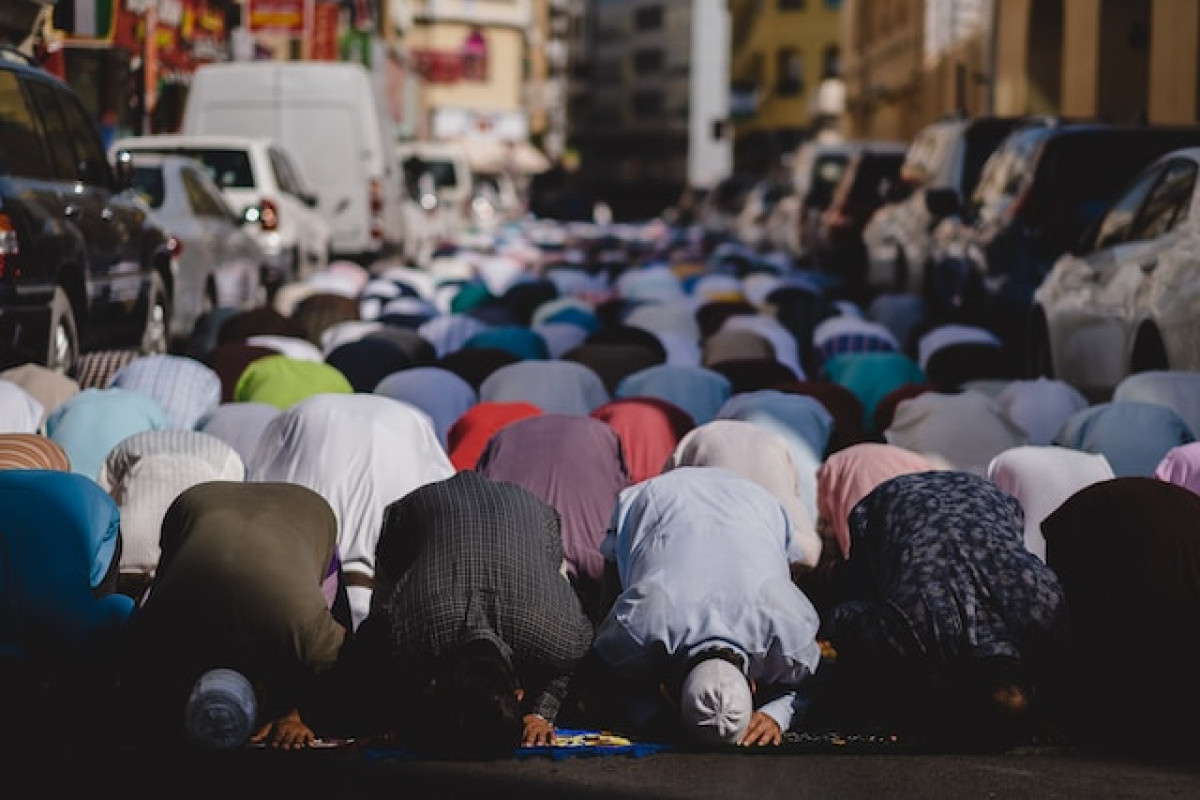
(63, 347)
(156, 335)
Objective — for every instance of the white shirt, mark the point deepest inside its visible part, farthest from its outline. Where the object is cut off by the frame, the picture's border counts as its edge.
(702, 557)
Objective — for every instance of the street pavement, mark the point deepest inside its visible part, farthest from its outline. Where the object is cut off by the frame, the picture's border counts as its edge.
(106, 769)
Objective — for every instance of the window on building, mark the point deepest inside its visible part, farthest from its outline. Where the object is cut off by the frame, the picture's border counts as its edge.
(831, 61)
(607, 71)
(833, 5)
(648, 61)
(647, 103)
(649, 18)
(754, 70)
(789, 72)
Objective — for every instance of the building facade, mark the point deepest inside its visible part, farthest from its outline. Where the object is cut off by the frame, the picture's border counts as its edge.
(1119, 60)
(909, 62)
(648, 107)
(473, 60)
(780, 52)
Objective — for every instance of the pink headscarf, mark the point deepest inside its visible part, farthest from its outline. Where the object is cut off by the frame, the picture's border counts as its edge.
(1181, 466)
(849, 475)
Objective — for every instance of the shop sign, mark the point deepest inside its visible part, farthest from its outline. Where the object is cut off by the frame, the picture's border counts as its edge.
(277, 16)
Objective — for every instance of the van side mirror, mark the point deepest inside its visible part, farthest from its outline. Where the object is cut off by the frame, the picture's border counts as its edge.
(942, 203)
(123, 170)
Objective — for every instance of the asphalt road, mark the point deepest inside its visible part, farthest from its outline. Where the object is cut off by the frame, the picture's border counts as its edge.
(109, 771)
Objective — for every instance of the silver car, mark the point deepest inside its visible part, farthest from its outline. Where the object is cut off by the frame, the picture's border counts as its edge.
(217, 263)
(1128, 298)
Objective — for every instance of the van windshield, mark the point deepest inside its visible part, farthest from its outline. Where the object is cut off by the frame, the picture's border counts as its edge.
(443, 172)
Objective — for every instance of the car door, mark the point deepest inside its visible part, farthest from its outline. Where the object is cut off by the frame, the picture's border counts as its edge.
(116, 275)
(1096, 282)
(300, 205)
(229, 258)
(1164, 262)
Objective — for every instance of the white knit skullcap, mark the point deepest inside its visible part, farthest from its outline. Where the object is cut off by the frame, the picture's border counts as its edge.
(715, 702)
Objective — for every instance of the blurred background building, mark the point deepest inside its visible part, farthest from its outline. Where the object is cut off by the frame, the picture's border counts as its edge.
(641, 98)
(648, 112)
(782, 52)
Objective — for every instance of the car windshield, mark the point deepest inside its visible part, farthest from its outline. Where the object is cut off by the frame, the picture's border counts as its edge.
(826, 173)
(1009, 169)
(1071, 182)
(147, 182)
(982, 139)
(229, 168)
(870, 174)
(443, 172)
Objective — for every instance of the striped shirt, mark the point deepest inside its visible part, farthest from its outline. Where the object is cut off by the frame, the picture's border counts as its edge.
(32, 451)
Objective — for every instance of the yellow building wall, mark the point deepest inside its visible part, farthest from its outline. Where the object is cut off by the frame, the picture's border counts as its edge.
(884, 69)
(538, 68)
(1174, 28)
(1090, 68)
(503, 89)
(810, 31)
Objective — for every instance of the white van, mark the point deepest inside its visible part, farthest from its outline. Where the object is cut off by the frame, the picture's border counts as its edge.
(329, 114)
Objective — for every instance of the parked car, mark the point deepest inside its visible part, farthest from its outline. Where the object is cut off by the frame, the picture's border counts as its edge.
(759, 223)
(83, 262)
(947, 154)
(218, 262)
(447, 164)
(1127, 299)
(495, 200)
(870, 179)
(1042, 190)
(817, 166)
(263, 181)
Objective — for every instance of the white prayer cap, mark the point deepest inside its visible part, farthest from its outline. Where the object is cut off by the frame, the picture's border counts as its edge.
(715, 702)
(221, 710)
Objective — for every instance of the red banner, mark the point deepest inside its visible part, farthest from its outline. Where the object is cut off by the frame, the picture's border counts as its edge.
(325, 32)
(277, 16)
(438, 66)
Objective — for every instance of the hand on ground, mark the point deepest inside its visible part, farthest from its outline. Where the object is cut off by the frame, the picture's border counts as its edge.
(289, 732)
(537, 731)
(762, 731)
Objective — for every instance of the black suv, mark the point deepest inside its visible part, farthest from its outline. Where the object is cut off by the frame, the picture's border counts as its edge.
(83, 265)
(1038, 195)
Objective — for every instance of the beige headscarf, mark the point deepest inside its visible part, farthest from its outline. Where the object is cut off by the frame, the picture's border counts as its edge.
(761, 455)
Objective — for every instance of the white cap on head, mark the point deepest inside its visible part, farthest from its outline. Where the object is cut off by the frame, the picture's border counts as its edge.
(715, 702)
(221, 710)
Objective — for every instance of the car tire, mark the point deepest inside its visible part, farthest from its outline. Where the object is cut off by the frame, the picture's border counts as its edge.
(1149, 353)
(156, 331)
(62, 347)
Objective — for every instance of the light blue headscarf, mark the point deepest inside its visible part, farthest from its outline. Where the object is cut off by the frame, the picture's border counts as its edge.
(1133, 436)
(93, 422)
(698, 390)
